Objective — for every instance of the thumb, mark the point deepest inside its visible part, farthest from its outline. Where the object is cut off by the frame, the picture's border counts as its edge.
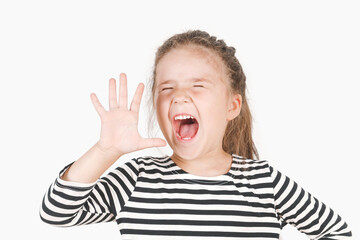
(152, 142)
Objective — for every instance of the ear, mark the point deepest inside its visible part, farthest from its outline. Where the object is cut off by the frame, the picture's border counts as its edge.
(234, 107)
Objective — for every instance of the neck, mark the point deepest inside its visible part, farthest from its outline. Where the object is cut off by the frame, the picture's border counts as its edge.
(209, 164)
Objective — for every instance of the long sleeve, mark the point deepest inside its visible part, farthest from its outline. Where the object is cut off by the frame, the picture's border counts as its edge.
(68, 203)
(300, 209)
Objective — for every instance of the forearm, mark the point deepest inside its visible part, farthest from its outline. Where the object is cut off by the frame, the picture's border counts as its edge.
(90, 166)
(66, 203)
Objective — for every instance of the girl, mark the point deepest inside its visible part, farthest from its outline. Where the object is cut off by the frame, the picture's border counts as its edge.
(211, 187)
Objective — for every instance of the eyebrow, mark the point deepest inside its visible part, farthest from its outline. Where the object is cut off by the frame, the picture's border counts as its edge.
(192, 79)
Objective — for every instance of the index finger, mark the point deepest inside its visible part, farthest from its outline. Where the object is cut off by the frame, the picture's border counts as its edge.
(135, 103)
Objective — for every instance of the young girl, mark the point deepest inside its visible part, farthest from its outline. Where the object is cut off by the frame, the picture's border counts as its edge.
(211, 187)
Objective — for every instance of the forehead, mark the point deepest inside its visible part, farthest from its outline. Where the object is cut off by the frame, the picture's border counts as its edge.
(190, 62)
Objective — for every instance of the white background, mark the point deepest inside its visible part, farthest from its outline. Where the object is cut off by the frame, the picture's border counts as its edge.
(301, 60)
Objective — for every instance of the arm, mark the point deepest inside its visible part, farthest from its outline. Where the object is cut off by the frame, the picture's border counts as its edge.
(90, 166)
(76, 197)
(310, 216)
(71, 203)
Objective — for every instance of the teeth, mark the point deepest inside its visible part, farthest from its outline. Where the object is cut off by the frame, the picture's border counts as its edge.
(181, 117)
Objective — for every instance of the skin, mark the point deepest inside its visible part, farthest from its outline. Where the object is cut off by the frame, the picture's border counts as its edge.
(208, 100)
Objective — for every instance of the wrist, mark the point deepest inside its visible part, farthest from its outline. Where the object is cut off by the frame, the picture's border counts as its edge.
(108, 151)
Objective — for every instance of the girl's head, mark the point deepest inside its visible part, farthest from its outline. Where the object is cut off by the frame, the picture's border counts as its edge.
(196, 74)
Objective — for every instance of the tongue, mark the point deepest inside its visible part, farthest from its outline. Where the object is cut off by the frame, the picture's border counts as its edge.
(187, 130)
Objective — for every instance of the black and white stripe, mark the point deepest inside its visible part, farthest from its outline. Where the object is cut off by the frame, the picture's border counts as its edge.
(152, 198)
(297, 207)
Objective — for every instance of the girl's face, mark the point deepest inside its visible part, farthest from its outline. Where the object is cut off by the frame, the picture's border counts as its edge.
(191, 81)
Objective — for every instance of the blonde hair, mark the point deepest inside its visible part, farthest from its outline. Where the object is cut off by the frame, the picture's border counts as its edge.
(238, 134)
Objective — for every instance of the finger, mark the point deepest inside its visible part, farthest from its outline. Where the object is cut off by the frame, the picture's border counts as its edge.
(123, 98)
(135, 103)
(152, 142)
(112, 94)
(98, 107)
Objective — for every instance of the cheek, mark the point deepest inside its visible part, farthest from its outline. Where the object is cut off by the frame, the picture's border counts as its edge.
(215, 109)
(160, 101)
(214, 101)
(161, 105)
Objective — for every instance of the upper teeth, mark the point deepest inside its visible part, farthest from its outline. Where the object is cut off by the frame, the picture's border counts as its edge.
(180, 117)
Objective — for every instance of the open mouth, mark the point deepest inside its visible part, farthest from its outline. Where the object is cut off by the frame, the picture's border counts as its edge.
(185, 126)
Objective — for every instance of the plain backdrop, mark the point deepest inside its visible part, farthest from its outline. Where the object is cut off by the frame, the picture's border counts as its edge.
(301, 59)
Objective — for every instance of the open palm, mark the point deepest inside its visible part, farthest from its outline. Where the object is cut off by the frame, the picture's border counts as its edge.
(119, 126)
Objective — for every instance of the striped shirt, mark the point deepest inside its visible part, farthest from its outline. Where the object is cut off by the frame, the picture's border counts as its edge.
(153, 198)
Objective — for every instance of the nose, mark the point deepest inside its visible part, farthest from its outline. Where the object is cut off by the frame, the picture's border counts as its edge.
(181, 96)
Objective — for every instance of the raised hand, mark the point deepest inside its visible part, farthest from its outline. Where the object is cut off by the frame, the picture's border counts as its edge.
(119, 126)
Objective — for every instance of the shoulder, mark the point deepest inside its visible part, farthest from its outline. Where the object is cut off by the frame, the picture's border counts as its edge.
(150, 162)
(251, 168)
(249, 164)
(134, 166)
(258, 169)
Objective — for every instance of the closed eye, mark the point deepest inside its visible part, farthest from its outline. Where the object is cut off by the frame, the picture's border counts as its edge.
(172, 88)
(166, 88)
